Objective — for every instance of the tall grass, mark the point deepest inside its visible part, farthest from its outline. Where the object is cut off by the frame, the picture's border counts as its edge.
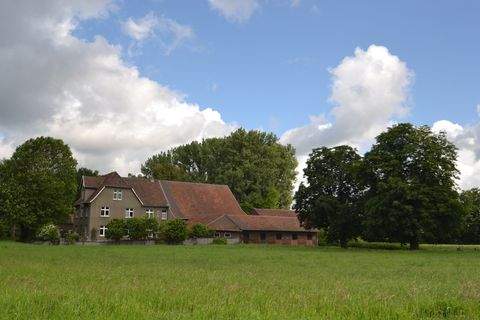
(236, 282)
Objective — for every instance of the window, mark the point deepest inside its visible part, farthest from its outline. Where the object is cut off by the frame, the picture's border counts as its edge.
(164, 214)
(294, 236)
(103, 231)
(117, 194)
(105, 211)
(128, 213)
(279, 236)
(150, 213)
(246, 235)
(217, 235)
(309, 236)
(227, 235)
(263, 236)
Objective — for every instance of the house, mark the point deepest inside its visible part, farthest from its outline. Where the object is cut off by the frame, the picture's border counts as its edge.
(114, 197)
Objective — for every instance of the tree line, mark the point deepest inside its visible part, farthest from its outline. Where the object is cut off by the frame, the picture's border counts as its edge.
(402, 190)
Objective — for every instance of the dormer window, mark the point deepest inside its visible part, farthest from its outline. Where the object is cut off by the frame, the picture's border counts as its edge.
(117, 194)
(105, 211)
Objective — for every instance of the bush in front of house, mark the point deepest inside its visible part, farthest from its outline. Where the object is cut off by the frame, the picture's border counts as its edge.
(152, 226)
(72, 237)
(173, 231)
(115, 230)
(135, 229)
(49, 232)
(219, 241)
(200, 231)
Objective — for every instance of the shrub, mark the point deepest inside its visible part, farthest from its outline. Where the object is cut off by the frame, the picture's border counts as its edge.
(152, 226)
(200, 231)
(173, 231)
(49, 232)
(4, 229)
(136, 229)
(219, 241)
(115, 229)
(72, 237)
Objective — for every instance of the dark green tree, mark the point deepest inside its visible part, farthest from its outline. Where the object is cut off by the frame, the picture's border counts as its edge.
(471, 223)
(412, 197)
(259, 170)
(39, 185)
(330, 199)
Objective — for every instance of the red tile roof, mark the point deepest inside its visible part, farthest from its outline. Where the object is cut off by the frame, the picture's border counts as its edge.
(200, 202)
(267, 223)
(274, 212)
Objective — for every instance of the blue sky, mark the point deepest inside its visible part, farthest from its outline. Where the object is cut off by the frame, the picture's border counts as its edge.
(121, 80)
(271, 71)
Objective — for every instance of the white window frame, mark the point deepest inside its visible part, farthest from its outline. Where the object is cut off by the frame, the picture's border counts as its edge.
(227, 235)
(164, 214)
(129, 213)
(150, 213)
(102, 231)
(105, 212)
(117, 194)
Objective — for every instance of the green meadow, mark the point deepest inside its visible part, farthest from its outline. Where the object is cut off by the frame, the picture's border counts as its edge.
(237, 282)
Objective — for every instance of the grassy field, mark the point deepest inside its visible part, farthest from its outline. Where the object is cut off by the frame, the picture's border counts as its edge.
(236, 282)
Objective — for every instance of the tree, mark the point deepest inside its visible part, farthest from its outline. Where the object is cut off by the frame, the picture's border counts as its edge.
(330, 198)
(258, 169)
(471, 223)
(412, 197)
(84, 172)
(39, 185)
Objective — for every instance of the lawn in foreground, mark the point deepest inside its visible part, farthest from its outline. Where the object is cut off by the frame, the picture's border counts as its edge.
(236, 282)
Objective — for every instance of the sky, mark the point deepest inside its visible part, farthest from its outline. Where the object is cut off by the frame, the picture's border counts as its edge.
(121, 80)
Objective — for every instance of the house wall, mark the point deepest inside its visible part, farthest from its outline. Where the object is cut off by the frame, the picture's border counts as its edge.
(117, 210)
(287, 238)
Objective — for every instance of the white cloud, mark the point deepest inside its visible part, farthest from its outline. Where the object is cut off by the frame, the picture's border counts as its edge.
(295, 3)
(170, 33)
(141, 29)
(235, 10)
(369, 90)
(467, 140)
(55, 84)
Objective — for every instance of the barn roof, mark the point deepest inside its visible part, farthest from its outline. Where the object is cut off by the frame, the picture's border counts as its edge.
(274, 212)
(200, 202)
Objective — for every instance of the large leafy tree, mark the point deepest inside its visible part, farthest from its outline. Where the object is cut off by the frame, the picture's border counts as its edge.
(39, 183)
(259, 170)
(471, 223)
(412, 195)
(331, 197)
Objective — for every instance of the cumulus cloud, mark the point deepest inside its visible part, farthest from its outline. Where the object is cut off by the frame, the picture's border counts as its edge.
(53, 83)
(235, 10)
(467, 140)
(170, 33)
(369, 90)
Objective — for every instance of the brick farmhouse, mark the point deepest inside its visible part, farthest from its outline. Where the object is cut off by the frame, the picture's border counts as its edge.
(111, 196)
